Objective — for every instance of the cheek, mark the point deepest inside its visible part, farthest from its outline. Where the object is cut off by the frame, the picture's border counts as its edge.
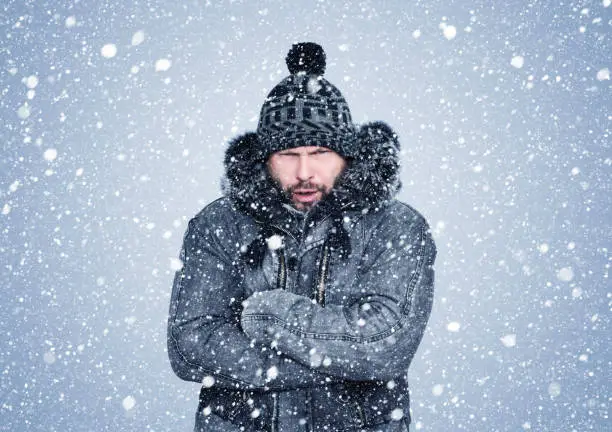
(285, 180)
(331, 173)
(339, 166)
(278, 171)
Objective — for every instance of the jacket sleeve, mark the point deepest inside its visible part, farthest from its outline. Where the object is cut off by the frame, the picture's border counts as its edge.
(375, 333)
(205, 342)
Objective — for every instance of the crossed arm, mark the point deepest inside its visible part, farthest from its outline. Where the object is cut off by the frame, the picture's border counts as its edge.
(204, 335)
(280, 340)
(375, 333)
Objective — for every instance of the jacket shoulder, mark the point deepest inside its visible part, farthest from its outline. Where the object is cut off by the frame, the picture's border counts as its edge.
(218, 219)
(222, 213)
(221, 227)
(222, 221)
(405, 218)
(219, 210)
(400, 214)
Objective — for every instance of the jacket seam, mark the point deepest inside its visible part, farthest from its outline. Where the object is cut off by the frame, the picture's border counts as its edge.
(328, 336)
(406, 302)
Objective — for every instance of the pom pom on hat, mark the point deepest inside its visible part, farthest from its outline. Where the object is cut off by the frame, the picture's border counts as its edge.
(306, 57)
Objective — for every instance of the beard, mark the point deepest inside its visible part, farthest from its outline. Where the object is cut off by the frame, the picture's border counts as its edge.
(290, 191)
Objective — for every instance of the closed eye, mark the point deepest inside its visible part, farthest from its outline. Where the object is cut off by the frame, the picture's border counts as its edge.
(320, 151)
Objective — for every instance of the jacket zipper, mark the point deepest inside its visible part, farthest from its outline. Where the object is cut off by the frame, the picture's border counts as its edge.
(323, 275)
(274, 426)
(282, 270)
(320, 295)
(323, 269)
(362, 419)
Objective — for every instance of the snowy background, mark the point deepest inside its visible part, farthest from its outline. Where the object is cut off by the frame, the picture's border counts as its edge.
(115, 116)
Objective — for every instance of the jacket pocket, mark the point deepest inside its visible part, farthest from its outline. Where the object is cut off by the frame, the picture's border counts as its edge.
(373, 404)
(250, 410)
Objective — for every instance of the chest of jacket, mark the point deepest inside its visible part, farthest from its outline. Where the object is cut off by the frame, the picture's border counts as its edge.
(312, 265)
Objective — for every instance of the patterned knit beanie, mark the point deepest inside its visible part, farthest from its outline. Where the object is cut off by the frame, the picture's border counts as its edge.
(305, 109)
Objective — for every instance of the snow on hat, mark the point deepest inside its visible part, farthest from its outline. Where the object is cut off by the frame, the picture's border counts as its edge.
(305, 109)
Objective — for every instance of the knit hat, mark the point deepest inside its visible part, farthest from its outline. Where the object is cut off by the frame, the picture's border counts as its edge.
(305, 109)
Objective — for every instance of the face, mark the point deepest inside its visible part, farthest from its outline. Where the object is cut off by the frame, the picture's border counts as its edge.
(306, 174)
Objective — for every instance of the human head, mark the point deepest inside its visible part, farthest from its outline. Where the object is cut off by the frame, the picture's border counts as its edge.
(306, 173)
(305, 129)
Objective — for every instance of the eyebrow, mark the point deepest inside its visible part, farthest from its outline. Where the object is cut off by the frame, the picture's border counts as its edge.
(292, 153)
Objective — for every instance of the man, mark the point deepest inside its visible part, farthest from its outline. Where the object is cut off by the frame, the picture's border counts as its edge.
(305, 291)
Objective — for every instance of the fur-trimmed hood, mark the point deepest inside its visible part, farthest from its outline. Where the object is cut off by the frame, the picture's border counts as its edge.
(370, 180)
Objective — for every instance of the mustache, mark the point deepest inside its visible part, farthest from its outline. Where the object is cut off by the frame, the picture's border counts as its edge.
(305, 185)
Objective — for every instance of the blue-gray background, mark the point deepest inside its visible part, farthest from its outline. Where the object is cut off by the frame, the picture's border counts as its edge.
(115, 116)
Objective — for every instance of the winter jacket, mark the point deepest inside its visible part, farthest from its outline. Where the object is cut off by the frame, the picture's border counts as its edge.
(303, 321)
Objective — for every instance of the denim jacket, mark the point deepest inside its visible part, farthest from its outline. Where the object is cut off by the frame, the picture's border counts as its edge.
(303, 321)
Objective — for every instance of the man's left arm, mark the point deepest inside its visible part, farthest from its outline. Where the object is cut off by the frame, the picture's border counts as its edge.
(374, 334)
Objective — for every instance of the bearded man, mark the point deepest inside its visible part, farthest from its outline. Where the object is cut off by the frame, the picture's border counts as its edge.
(306, 289)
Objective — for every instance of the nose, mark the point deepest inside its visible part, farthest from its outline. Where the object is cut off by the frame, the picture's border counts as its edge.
(304, 171)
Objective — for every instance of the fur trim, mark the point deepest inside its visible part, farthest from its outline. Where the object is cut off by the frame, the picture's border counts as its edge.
(247, 182)
(370, 180)
(372, 177)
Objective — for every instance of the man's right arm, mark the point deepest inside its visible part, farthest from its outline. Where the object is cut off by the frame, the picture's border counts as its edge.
(204, 334)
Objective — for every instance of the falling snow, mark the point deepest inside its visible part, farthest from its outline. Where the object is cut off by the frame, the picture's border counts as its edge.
(128, 403)
(449, 31)
(554, 389)
(603, 74)
(175, 263)
(565, 274)
(50, 154)
(397, 414)
(437, 390)
(162, 65)
(23, 111)
(208, 381)
(453, 326)
(517, 61)
(509, 340)
(138, 38)
(108, 50)
(272, 373)
(70, 22)
(115, 119)
(274, 242)
(32, 81)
